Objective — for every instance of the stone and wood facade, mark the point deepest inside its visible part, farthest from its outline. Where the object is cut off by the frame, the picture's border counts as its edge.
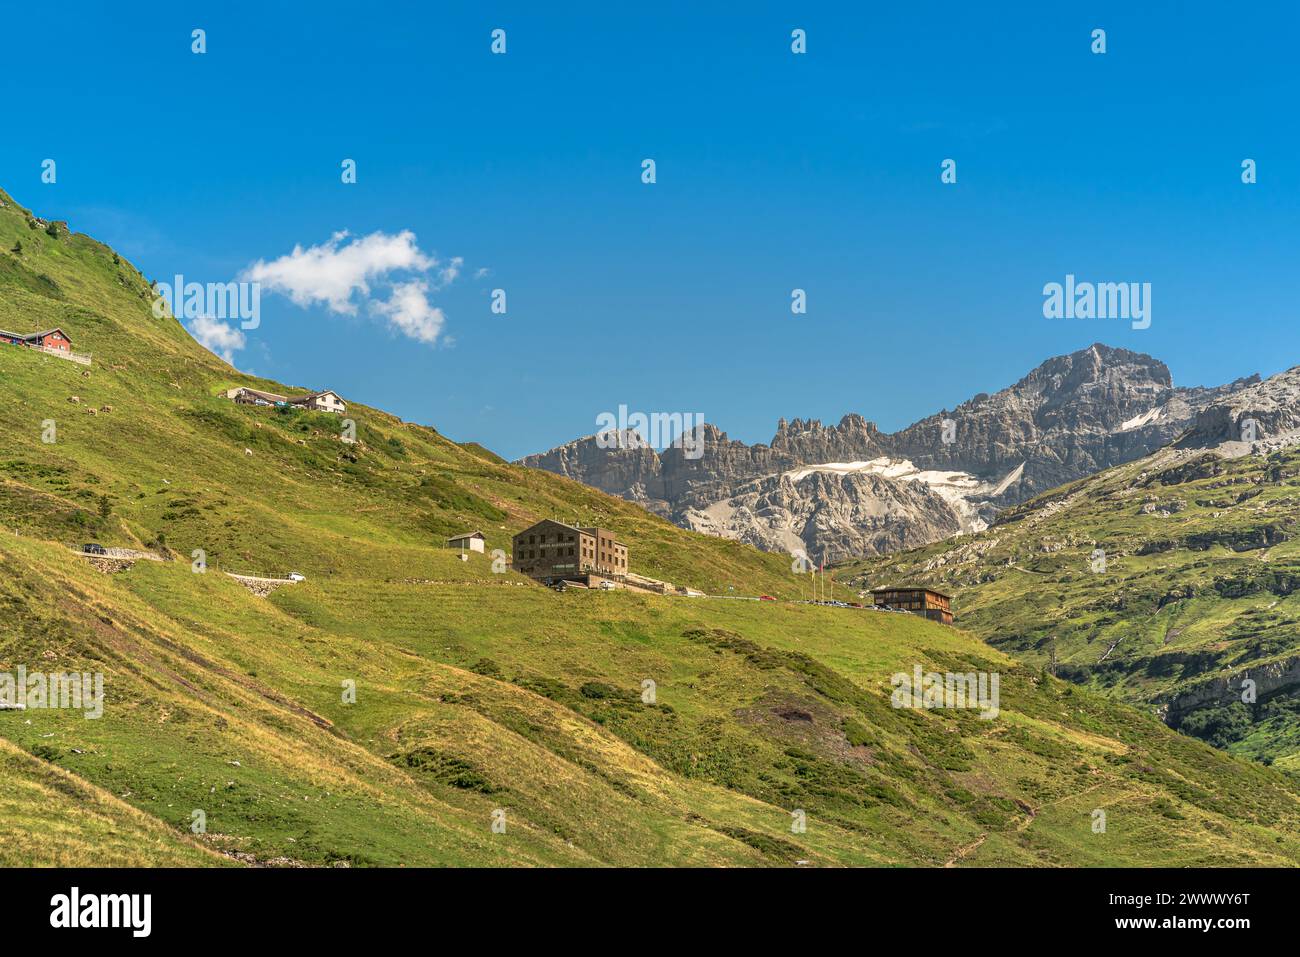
(922, 601)
(552, 551)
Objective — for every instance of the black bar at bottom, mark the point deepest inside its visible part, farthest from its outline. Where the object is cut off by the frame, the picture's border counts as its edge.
(334, 906)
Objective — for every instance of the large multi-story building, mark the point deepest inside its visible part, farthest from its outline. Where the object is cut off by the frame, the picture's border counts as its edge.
(552, 550)
(925, 602)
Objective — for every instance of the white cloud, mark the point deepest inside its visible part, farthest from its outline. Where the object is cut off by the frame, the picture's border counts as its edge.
(340, 273)
(410, 312)
(449, 272)
(217, 337)
(333, 271)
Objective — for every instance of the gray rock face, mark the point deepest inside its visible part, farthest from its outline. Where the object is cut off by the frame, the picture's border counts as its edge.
(850, 489)
(827, 516)
(627, 466)
(1269, 678)
(1261, 414)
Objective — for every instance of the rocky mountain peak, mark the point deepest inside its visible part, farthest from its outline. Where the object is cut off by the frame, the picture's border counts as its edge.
(850, 486)
(1096, 366)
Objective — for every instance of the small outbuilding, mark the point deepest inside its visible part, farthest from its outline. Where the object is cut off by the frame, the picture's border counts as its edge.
(468, 541)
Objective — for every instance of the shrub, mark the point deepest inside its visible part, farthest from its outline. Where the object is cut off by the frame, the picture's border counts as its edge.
(858, 733)
(486, 667)
(448, 769)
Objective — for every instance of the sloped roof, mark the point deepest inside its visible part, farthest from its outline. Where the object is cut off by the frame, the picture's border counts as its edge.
(312, 395)
(35, 335)
(549, 521)
(272, 396)
(456, 538)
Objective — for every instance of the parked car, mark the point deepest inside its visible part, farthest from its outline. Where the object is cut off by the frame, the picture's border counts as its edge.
(607, 586)
(297, 577)
(766, 598)
(94, 548)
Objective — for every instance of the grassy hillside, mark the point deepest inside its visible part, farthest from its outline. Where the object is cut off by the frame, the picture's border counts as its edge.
(1196, 594)
(53, 817)
(477, 697)
(256, 489)
(479, 694)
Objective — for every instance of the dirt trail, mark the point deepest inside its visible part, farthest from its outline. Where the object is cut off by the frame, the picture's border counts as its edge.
(964, 852)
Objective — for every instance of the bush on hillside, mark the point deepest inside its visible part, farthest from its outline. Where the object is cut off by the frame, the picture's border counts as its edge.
(1218, 726)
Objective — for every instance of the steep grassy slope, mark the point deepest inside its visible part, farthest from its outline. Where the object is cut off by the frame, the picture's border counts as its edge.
(1196, 593)
(476, 697)
(50, 816)
(257, 490)
(478, 693)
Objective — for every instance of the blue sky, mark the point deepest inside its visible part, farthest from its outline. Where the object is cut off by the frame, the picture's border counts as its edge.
(774, 172)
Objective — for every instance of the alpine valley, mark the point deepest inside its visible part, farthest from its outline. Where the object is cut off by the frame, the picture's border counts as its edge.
(395, 703)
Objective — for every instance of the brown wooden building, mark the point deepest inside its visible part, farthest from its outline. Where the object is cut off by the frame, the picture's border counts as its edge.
(922, 601)
(551, 550)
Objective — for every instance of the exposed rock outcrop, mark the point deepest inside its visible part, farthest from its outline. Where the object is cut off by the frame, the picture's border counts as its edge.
(1260, 417)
